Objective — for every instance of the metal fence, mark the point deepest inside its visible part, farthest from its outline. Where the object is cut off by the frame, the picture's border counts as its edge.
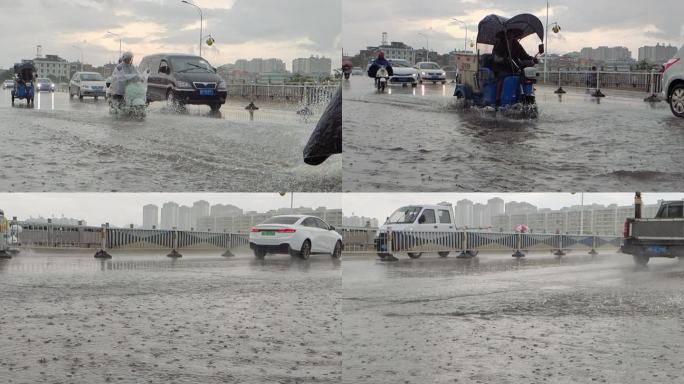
(368, 240)
(71, 236)
(650, 82)
(299, 93)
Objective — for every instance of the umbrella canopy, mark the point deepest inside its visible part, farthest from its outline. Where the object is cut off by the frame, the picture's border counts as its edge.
(526, 23)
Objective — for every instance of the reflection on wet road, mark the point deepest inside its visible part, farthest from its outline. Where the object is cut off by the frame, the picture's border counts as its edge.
(141, 317)
(496, 320)
(418, 138)
(71, 145)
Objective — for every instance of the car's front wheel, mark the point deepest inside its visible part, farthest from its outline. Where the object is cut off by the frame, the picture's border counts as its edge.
(337, 252)
(677, 100)
(640, 259)
(414, 255)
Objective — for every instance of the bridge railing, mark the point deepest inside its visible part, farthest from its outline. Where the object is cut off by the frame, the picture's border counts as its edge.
(299, 93)
(72, 236)
(370, 240)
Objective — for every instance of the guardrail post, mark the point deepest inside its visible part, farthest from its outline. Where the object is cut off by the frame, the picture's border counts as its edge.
(653, 98)
(228, 252)
(390, 248)
(5, 233)
(465, 254)
(518, 244)
(560, 89)
(597, 92)
(102, 253)
(560, 252)
(174, 243)
(593, 252)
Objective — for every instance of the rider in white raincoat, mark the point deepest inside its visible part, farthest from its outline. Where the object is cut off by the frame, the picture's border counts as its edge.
(125, 73)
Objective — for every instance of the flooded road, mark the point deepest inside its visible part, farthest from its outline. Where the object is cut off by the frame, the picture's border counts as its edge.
(66, 317)
(418, 138)
(494, 320)
(72, 145)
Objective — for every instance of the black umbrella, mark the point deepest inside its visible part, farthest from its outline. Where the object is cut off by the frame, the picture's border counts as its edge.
(326, 139)
(491, 25)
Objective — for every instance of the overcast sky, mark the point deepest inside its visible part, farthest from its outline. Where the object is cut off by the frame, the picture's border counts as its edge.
(241, 28)
(381, 205)
(584, 23)
(121, 209)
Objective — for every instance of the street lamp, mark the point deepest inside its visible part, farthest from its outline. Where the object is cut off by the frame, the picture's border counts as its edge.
(119, 36)
(465, 26)
(581, 212)
(201, 22)
(427, 41)
(80, 49)
(556, 29)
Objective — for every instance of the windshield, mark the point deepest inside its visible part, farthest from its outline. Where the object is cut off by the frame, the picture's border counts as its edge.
(429, 66)
(190, 64)
(400, 63)
(91, 77)
(282, 220)
(404, 215)
(44, 81)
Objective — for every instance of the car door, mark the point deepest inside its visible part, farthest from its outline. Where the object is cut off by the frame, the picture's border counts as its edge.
(155, 80)
(328, 237)
(313, 233)
(446, 224)
(427, 221)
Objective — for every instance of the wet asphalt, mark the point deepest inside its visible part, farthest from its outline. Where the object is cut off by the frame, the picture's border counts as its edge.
(494, 319)
(65, 145)
(412, 139)
(66, 317)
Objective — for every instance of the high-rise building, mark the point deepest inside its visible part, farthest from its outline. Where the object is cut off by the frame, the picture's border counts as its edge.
(228, 210)
(464, 213)
(658, 54)
(150, 216)
(479, 216)
(495, 207)
(259, 65)
(606, 54)
(169, 215)
(185, 218)
(200, 209)
(513, 207)
(312, 66)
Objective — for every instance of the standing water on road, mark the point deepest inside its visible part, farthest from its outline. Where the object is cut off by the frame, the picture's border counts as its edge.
(419, 138)
(144, 318)
(72, 145)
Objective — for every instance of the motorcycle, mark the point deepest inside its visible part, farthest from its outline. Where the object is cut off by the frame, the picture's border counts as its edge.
(381, 78)
(133, 105)
(347, 72)
(517, 95)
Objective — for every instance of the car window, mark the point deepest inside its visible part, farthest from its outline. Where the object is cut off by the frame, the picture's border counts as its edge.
(399, 63)
(182, 64)
(404, 215)
(675, 211)
(427, 217)
(444, 217)
(321, 224)
(429, 66)
(163, 64)
(309, 222)
(91, 77)
(282, 220)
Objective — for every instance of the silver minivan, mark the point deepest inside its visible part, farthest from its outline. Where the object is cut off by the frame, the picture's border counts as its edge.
(673, 83)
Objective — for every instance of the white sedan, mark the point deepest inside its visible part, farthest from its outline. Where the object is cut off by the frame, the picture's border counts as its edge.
(299, 235)
(8, 84)
(429, 71)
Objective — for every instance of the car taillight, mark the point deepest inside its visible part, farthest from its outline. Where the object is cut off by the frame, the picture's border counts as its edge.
(255, 230)
(625, 230)
(669, 64)
(286, 230)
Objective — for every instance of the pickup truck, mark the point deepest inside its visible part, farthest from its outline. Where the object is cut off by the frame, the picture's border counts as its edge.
(662, 236)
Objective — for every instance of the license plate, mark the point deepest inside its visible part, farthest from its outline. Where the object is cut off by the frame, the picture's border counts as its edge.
(382, 79)
(267, 233)
(206, 92)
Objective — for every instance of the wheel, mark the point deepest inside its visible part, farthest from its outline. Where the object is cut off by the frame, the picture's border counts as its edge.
(171, 101)
(382, 86)
(259, 253)
(382, 256)
(95, 98)
(12, 97)
(413, 85)
(414, 255)
(80, 97)
(641, 259)
(305, 252)
(337, 252)
(71, 95)
(677, 100)
(215, 107)
(444, 82)
(443, 254)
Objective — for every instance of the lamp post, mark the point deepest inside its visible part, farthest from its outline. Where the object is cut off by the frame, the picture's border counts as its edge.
(581, 212)
(80, 49)
(465, 26)
(556, 29)
(427, 41)
(201, 22)
(119, 36)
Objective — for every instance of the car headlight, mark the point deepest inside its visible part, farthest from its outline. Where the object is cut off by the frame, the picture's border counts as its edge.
(423, 73)
(183, 84)
(221, 85)
(414, 75)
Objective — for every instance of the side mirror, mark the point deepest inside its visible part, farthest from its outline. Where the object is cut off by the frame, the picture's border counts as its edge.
(421, 219)
(331, 228)
(541, 48)
(164, 70)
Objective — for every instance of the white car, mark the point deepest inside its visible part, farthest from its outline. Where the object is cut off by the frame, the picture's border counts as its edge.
(403, 73)
(44, 84)
(87, 84)
(8, 84)
(298, 235)
(673, 83)
(429, 71)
